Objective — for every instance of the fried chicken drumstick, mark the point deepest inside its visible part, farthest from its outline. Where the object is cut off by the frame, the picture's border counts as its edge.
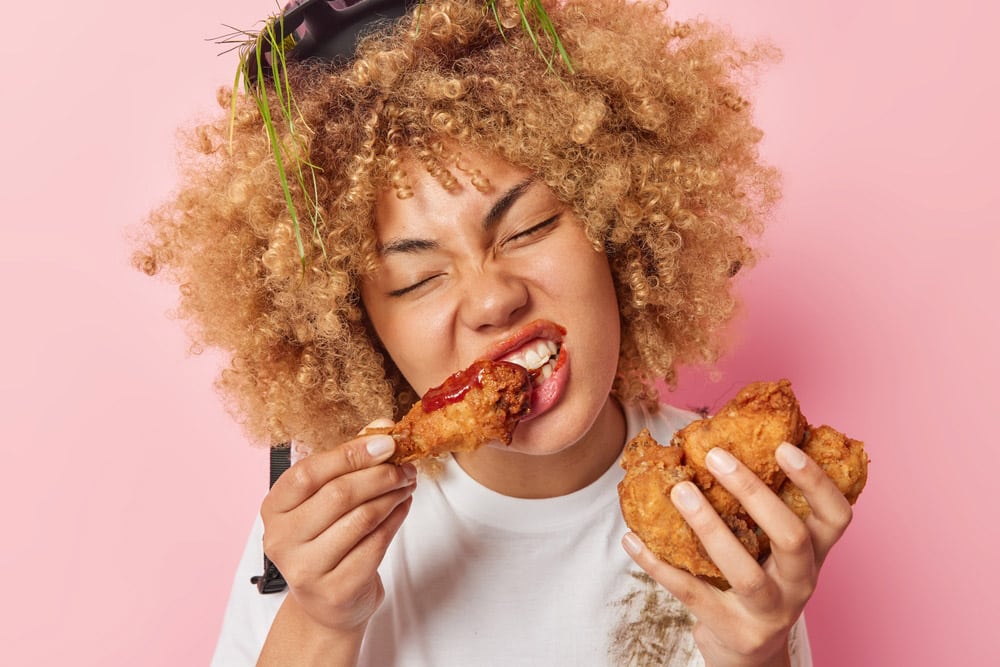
(481, 404)
(750, 427)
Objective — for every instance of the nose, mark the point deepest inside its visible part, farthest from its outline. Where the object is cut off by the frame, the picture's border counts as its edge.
(492, 298)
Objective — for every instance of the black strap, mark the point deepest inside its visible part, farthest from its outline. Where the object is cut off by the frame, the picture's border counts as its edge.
(272, 581)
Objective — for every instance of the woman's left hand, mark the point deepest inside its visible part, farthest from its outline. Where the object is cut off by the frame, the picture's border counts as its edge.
(748, 625)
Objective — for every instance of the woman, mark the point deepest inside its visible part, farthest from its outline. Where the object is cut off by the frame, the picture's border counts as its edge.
(453, 196)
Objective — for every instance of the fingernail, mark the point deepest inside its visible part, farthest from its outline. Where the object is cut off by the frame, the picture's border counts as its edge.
(791, 456)
(410, 471)
(632, 543)
(686, 496)
(380, 423)
(721, 461)
(380, 445)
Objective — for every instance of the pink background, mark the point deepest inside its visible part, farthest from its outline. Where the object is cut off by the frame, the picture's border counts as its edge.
(128, 491)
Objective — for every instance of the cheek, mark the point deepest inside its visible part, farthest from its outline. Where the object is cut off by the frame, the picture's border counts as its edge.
(576, 271)
(416, 339)
(383, 320)
(381, 326)
(423, 349)
(595, 283)
(605, 317)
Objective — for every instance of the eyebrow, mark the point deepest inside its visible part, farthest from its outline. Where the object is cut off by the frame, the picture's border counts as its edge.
(501, 205)
(490, 220)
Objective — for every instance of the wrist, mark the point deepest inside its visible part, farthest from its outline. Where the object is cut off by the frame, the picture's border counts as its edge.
(296, 638)
(781, 658)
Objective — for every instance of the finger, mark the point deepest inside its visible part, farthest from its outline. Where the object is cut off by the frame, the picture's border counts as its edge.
(310, 474)
(381, 422)
(312, 560)
(831, 513)
(701, 598)
(791, 540)
(344, 494)
(358, 565)
(744, 574)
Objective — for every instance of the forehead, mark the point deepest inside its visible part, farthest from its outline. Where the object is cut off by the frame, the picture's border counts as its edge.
(473, 181)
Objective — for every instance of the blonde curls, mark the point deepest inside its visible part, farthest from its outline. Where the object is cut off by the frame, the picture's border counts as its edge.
(650, 141)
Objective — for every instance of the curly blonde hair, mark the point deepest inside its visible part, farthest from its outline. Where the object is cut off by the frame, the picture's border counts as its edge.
(649, 140)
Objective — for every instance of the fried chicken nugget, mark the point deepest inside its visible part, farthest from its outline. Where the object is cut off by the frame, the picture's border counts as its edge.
(751, 426)
(652, 471)
(481, 404)
(760, 417)
(841, 458)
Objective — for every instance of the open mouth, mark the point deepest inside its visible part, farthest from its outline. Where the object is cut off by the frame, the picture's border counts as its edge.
(539, 356)
(538, 347)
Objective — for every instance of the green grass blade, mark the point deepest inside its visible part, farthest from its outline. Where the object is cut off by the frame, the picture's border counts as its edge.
(550, 30)
(492, 4)
(276, 149)
(530, 30)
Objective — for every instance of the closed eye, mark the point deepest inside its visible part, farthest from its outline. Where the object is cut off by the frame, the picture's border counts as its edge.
(409, 288)
(531, 231)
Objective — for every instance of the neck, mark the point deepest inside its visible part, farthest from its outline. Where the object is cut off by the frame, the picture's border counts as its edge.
(546, 476)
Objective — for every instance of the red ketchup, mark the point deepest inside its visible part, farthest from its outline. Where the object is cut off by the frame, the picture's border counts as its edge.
(454, 388)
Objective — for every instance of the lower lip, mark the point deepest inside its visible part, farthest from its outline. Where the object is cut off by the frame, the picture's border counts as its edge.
(547, 394)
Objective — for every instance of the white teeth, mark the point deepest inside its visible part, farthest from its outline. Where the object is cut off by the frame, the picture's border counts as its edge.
(534, 355)
(533, 359)
(545, 372)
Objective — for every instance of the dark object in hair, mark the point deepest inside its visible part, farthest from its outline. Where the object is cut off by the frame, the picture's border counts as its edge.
(325, 29)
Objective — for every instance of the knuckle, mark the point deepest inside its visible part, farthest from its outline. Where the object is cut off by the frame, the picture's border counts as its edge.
(355, 457)
(365, 519)
(270, 545)
(800, 599)
(687, 595)
(394, 476)
(843, 518)
(796, 540)
(378, 595)
(339, 495)
(747, 485)
(267, 509)
(837, 515)
(754, 584)
(379, 539)
(354, 603)
(275, 548)
(293, 574)
(301, 477)
(337, 599)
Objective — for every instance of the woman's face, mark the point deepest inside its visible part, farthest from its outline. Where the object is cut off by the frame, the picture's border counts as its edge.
(502, 274)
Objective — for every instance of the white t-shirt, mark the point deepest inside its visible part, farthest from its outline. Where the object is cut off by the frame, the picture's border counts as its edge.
(478, 578)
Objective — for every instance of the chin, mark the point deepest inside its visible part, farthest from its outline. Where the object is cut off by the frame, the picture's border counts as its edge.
(558, 430)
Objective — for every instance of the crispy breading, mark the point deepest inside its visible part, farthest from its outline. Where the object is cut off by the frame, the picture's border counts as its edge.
(751, 426)
(652, 471)
(841, 458)
(481, 404)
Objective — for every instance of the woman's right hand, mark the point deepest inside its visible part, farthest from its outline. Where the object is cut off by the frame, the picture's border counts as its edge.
(328, 521)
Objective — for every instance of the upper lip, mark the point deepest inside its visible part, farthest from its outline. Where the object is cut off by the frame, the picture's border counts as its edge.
(537, 329)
